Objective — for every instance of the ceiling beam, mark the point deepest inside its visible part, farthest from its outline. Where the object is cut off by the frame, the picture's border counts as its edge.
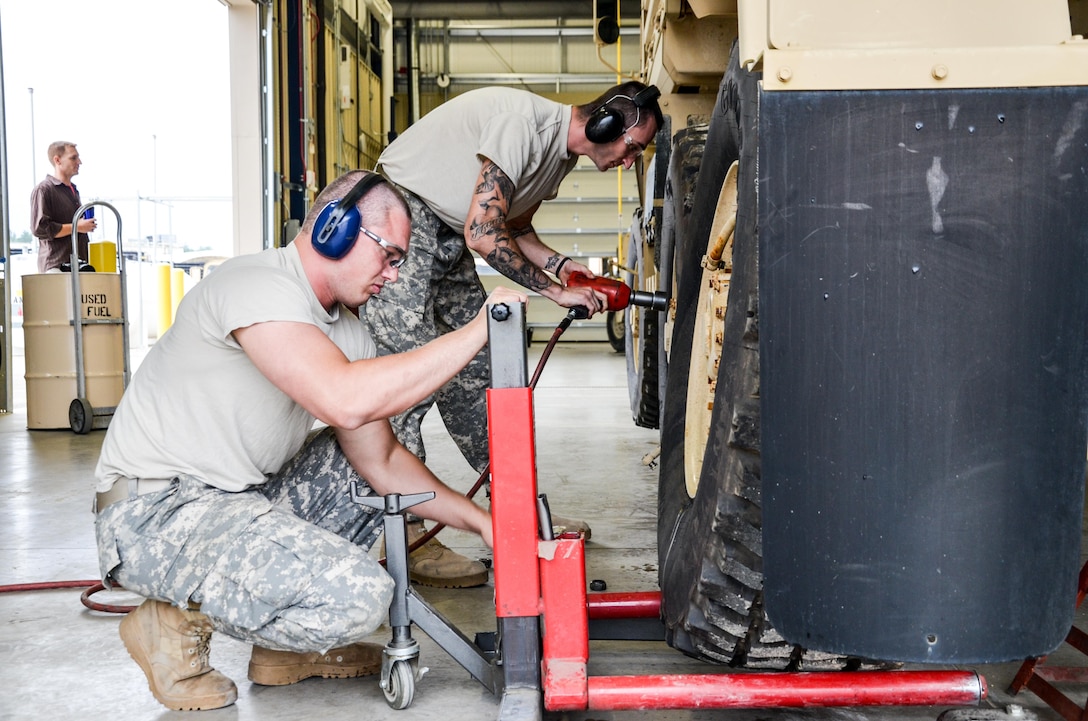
(506, 10)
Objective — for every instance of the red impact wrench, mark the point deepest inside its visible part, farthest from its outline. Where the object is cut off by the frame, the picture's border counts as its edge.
(618, 294)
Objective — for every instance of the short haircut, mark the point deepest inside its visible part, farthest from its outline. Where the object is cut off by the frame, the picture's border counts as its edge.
(383, 198)
(57, 147)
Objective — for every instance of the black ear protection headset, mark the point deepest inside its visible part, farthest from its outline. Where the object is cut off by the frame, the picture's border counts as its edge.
(605, 124)
(337, 226)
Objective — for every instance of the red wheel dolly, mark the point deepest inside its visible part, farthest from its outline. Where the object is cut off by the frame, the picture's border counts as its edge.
(545, 617)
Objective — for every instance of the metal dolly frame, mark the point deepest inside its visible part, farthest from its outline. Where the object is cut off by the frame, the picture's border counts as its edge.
(81, 415)
(545, 618)
(400, 658)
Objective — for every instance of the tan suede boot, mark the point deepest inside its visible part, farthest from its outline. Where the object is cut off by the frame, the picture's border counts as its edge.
(561, 524)
(279, 668)
(435, 565)
(172, 646)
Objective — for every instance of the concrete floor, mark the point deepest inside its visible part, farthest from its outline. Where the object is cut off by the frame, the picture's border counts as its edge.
(60, 660)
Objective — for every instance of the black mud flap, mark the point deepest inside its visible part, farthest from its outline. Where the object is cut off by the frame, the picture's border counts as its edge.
(923, 293)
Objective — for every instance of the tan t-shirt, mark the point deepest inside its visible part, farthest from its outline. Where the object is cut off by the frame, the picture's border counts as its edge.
(439, 157)
(198, 406)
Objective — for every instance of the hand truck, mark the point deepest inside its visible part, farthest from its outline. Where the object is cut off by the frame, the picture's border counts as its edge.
(81, 414)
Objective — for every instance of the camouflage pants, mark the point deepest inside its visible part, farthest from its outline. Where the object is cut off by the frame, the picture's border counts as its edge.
(437, 291)
(283, 566)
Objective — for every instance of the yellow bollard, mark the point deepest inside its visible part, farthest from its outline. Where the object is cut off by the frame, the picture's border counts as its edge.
(177, 290)
(102, 254)
(166, 314)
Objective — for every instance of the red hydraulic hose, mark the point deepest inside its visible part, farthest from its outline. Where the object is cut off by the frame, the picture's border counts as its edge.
(90, 587)
(85, 599)
(45, 586)
(563, 325)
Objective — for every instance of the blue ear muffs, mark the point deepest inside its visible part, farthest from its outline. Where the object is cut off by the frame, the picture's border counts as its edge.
(337, 225)
(605, 124)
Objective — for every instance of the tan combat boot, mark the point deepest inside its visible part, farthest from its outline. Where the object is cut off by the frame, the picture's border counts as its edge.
(279, 668)
(435, 565)
(561, 524)
(172, 646)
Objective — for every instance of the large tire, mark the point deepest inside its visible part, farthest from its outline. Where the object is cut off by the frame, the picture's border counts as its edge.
(709, 510)
(657, 175)
(678, 190)
(640, 331)
(615, 326)
(660, 239)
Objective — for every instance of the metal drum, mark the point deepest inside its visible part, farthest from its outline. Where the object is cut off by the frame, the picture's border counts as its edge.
(50, 344)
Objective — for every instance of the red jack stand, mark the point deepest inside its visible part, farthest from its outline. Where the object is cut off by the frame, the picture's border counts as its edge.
(542, 584)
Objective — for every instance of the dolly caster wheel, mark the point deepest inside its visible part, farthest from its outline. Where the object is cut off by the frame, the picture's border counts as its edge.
(81, 416)
(401, 689)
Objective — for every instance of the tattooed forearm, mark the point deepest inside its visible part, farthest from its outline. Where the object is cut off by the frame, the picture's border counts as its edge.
(552, 262)
(493, 229)
(504, 255)
(494, 186)
(492, 234)
(515, 267)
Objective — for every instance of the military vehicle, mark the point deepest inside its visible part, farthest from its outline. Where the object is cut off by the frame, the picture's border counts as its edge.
(871, 218)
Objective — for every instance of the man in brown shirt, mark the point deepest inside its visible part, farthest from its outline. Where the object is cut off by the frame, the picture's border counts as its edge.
(52, 205)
